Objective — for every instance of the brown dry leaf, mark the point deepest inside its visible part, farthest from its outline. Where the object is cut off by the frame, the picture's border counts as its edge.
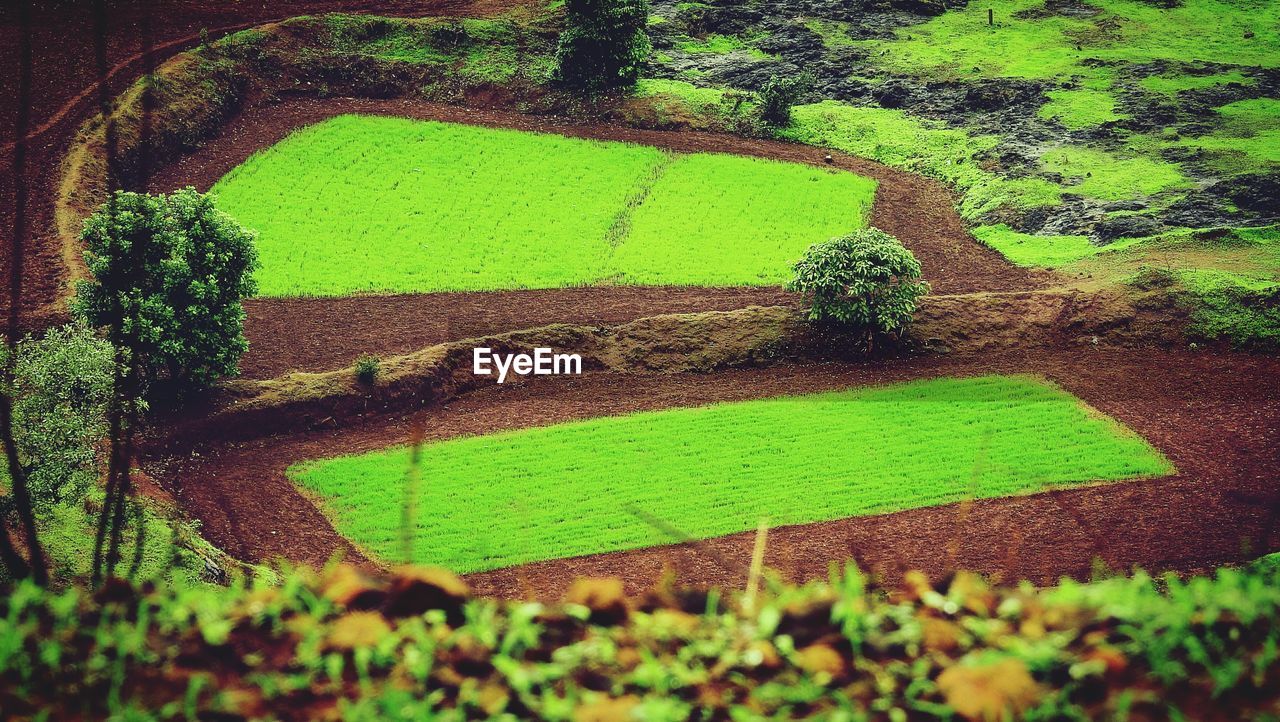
(345, 585)
(916, 585)
(941, 635)
(607, 709)
(605, 597)
(493, 698)
(989, 693)
(819, 659)
(628, 658)
(242, 701)
(973, 593)
(357, 629)
(418, 589)
(1113, 658)
(769, 658)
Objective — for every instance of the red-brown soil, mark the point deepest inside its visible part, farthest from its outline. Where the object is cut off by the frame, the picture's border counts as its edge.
(300, 334)
(288, 334)
(1216, 416)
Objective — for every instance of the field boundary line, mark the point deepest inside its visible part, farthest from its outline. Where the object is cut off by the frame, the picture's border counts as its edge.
(620, 228)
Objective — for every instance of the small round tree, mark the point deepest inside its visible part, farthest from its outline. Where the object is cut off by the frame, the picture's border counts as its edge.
(604, 44)
(866, 281)
(169, 272)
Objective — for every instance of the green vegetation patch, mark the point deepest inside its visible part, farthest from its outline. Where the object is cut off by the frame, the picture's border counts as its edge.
(377, 204)
(569, 489)
(721, 45)
(1026, 249)
(722, 254)
(1104, 175)
(1032, 40)
(834, 33)
(1080, 108)
(1175, 83)
(1241, 308)
(921, 146)
(1120, 648)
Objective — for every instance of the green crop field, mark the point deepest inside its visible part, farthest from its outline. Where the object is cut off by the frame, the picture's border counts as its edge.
(565, 490)
(377, 204)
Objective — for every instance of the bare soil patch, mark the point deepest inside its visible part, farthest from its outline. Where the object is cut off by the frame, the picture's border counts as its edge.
(320, 334)
(1216, 416)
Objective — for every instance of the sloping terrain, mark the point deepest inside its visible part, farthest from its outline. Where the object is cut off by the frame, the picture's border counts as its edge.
(1216, 417)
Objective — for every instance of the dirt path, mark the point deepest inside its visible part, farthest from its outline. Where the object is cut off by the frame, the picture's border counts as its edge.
(1217, 417)
(314, 334)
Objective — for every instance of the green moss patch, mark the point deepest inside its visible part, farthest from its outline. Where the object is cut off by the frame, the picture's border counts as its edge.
(1104, 175)
(1081, 108)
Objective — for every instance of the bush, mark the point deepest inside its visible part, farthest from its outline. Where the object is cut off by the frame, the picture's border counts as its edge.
(604, 44)
(779, 94)
(169, 274)
(62, 386)
(367, 368)
(866, 280)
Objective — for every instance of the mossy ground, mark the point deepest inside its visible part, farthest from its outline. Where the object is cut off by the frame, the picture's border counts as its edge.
(1153, 118)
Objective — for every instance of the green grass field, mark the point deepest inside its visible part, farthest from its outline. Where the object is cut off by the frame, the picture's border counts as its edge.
(377, 204)
(565, 490)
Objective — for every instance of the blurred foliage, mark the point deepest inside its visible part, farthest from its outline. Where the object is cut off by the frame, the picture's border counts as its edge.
(62, 384)
(417, 645)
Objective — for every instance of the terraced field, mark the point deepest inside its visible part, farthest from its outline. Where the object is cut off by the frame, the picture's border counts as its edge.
(577, 488)
(376, 204)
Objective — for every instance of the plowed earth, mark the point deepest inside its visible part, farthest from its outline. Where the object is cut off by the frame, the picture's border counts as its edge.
(1220, 428)
(1215, 415)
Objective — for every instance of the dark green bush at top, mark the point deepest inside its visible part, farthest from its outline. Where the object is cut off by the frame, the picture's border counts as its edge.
(779, 94)
(62, 384)
(867, 281)
(603, 45)
(169, 272)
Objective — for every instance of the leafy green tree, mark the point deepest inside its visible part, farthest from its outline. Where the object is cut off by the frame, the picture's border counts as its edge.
(61, 388)
(603, 45)
(779, 94)
(169, 272)
(866, 281)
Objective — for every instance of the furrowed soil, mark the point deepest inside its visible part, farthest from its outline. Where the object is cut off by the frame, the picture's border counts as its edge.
(1216, 417)
(300, 333)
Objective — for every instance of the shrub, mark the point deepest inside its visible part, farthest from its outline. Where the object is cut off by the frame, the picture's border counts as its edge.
(866, 280)
(779, 94)
(367, 369)
(603, 45)
(62, 385)
(169, 272)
